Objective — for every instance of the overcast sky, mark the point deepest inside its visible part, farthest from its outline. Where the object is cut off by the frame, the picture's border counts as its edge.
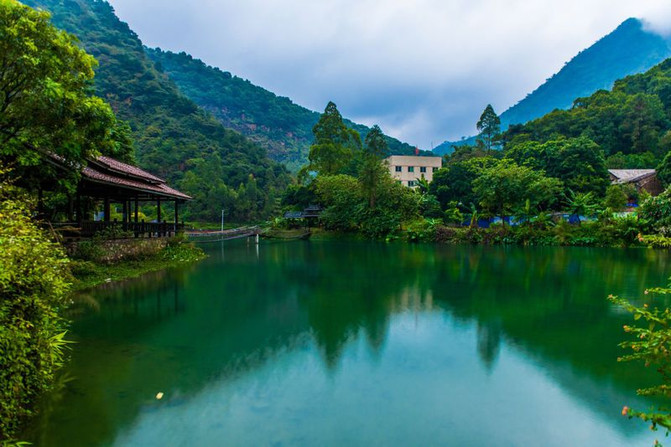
(422, 69)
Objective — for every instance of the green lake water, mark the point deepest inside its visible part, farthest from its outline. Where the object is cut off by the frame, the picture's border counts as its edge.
(358, 344)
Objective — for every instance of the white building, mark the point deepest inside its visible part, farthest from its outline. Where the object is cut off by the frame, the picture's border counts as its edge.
(408, 169)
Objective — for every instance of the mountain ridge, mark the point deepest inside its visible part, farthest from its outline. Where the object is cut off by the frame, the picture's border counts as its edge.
(271, 120)
(627, 50)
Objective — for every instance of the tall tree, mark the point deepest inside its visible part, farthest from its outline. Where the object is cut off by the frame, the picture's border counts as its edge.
(371, 170)
(334, 144)
(489, 127)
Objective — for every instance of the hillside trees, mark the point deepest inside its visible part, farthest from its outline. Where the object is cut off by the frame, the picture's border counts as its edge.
(274, 122)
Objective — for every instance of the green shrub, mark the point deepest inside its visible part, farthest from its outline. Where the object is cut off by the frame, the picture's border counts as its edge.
(34, 281)
(656, 241)
(657, 211)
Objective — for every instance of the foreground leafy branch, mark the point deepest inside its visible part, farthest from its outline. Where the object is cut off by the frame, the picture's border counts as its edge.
(651, 344)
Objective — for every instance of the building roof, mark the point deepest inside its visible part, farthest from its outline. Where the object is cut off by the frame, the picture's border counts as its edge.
(416, 160)
(622, 176)
(126, 180)
(130, 180)
(124, 169)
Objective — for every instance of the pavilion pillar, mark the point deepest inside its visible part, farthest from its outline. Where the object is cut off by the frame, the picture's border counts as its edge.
(158, 215)
(78, 207)
(71, 209)
(106, 212)
(137, 210)
(124, 219)
(40, 202)
(176, 215)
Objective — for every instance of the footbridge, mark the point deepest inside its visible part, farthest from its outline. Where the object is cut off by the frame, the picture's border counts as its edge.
(225, 235)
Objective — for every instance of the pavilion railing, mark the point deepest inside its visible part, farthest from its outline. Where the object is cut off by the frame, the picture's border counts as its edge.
(133, 229)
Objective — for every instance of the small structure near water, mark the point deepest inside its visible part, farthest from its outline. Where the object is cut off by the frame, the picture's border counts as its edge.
(309, 215)
(641, 179)
(113, 182)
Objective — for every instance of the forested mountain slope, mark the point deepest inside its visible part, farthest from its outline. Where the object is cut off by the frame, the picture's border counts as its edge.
(173, 137)
(629, 49)
(631, 123)
(275, 122)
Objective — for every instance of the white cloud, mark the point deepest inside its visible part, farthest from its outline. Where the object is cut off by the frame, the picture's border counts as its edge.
(424, 69)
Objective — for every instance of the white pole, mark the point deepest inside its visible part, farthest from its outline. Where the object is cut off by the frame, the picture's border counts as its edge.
(222, 221)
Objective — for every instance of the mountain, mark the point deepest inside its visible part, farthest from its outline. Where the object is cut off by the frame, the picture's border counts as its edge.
(629, 49)
(274, 122)
(174, 138)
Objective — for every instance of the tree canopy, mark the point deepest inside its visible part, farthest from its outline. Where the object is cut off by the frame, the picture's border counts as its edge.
(45, 99)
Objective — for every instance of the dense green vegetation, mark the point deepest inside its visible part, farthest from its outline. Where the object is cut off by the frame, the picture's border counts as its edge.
(33, 288)
(628, 50)
(555, 192)
(272, 121)
(559, 163)
(351, 181)
(46, 104)
(172, 135)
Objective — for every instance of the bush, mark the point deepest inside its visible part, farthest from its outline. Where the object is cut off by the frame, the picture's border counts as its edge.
(657, 210)
(34, 281)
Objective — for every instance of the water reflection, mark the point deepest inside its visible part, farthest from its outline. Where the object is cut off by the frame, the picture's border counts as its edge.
(230, 318)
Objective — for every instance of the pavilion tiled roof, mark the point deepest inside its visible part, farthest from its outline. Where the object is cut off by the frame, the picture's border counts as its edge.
(108, 171)
(125, 169)
(100, 176)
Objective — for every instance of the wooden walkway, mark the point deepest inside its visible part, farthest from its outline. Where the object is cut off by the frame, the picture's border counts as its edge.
(236, 233)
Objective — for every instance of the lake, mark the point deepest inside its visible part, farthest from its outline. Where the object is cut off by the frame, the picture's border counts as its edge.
(309, 343)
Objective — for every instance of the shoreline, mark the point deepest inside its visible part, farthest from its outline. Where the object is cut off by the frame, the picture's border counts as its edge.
(88, 274)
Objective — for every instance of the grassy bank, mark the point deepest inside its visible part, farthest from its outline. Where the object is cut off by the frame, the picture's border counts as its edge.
(102, 261)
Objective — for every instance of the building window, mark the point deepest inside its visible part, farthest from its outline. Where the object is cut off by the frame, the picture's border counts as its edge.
(411, 183)
(411, 169)
(435, 169)
(422, 169)
(399, 169)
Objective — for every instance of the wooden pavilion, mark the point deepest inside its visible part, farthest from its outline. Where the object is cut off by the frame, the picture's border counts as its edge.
(113, 182)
